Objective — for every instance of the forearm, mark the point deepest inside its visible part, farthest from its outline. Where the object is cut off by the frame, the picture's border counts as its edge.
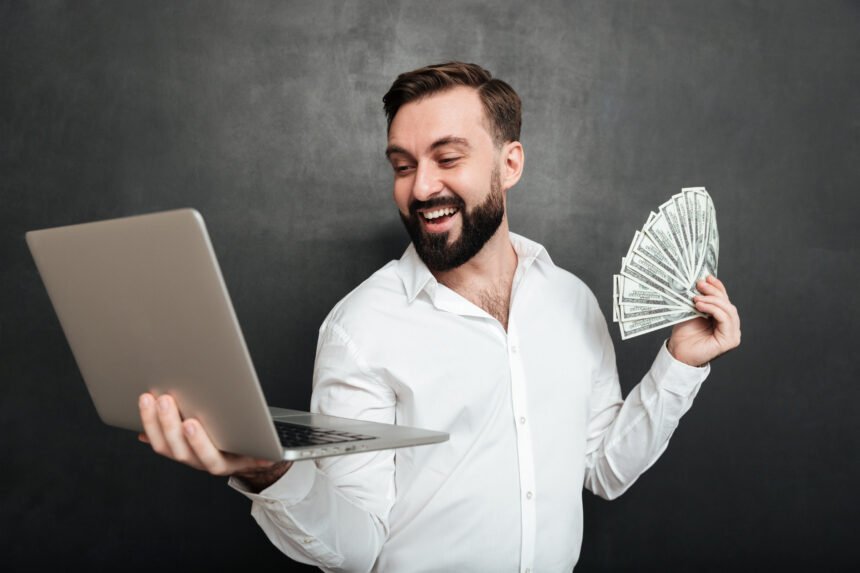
(312, 521)
(640, 428)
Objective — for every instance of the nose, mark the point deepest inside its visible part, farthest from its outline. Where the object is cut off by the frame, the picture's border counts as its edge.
(427, 182)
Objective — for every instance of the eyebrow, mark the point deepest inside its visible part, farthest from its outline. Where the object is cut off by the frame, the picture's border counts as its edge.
(441, 142)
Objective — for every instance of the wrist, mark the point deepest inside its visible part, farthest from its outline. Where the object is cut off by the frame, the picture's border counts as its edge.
(258, 479)
(670, 348)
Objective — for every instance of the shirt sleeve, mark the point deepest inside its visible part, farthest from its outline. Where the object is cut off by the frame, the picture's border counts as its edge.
(333, 513)
(625, 437)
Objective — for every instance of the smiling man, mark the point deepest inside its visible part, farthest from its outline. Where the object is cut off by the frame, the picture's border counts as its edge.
(452, 170)
(475, 332)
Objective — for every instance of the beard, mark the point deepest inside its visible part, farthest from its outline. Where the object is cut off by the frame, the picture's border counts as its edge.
(478, 226)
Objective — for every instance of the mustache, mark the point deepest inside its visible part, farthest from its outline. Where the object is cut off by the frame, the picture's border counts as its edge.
(437, 202)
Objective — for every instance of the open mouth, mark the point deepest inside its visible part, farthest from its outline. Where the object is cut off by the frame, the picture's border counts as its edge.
(437, 219)
(438, 215)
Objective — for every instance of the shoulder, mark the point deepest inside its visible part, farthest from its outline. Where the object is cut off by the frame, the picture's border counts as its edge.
(379, 295)
(554, 293)
(554, 281)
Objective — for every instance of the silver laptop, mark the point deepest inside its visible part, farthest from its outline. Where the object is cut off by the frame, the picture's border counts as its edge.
(144, 308)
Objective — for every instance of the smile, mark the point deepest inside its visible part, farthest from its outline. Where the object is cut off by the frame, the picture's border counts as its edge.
(437, 213)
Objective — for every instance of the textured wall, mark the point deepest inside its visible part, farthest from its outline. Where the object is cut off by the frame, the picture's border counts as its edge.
(267, 117)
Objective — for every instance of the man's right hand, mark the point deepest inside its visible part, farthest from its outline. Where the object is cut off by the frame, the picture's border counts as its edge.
(187, 442)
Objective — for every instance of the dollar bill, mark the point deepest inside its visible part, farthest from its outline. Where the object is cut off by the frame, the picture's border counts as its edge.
(638, 267)
(680, 203)
(711, 254)
(635, 293)
(677, 246)
(701, 200)
(690, 197)
(632, 328)
(669, 213)
(646, 247)
(657, 229)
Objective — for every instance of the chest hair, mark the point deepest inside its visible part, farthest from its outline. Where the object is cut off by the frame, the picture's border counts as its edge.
(497, 303)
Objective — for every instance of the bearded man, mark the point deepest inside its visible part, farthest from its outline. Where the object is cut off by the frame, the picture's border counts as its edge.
(475, 332)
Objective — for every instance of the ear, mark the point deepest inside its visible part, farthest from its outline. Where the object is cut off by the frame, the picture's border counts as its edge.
(512, 158)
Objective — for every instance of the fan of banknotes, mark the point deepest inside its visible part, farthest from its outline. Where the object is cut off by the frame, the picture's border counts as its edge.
(678, 246)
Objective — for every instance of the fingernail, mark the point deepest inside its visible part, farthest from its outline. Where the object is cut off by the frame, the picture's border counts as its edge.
(162, 404)
(189, 430)
(146, 400)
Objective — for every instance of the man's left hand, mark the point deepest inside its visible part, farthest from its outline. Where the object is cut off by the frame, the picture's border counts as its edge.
(698, 341)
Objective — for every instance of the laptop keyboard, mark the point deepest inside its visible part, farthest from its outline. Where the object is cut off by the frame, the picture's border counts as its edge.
(294, 435)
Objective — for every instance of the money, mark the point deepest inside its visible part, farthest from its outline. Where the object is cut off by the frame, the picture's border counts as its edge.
(678, 246)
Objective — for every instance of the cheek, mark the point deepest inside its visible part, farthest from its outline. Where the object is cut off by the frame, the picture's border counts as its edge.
(470, 185)
(401, 195)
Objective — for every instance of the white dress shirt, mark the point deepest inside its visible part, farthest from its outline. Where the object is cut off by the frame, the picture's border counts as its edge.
(534, 414)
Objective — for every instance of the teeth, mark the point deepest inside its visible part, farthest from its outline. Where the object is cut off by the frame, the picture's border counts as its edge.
(430, 215)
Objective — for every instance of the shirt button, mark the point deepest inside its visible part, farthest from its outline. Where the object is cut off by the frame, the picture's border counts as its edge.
(529, 495)
(514, 348)
(522, 420)
(527, 570)
(306, 540)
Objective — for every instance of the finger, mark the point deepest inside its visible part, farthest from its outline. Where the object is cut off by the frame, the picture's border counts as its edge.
(720, 315)
(719, 300)
(211, 458)
(722, 303)
(171, 426)
(151, 425)
(142, 437)
(708, 288)
(718, 283)
(726, 314)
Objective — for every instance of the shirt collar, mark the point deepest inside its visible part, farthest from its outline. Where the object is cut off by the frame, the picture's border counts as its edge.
(417, 277)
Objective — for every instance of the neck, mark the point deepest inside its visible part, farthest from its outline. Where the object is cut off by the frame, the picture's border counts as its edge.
(486, 278)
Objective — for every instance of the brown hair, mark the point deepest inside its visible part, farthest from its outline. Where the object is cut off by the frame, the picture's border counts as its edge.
(501, 103)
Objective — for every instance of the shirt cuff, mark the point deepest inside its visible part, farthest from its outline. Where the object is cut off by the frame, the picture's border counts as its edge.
(290, 489)
(676, 376)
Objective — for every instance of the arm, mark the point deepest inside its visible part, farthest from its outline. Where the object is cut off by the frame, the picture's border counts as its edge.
(625, 437)
(334, 513)
(187, 442)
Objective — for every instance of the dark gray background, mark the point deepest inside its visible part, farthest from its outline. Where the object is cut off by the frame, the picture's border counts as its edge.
(267, 117)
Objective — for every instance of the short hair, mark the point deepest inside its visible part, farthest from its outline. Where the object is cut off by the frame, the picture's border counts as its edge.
(501, 103)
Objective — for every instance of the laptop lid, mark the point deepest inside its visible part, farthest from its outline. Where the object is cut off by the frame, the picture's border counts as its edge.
(144, 307)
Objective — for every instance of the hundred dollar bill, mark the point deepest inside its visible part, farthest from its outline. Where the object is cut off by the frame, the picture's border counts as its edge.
(690, 197)
(628, 312)
(635, 293)
(708, 265)
(635, 273)
(657, 229)
(637, 267)
(670, 215)
(680, 203)
(632, 328)
(644, 245)
(701, 200)
(631, 310)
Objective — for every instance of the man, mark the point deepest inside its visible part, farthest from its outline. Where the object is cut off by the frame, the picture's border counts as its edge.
(475, 332)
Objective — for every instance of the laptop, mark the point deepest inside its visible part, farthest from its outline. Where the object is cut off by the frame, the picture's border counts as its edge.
(144, 308)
